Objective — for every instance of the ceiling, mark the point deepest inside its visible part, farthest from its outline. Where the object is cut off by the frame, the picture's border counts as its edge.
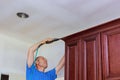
(54, 18)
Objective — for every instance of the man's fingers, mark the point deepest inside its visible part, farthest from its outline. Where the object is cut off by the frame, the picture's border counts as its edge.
(49, 39)
(46, 40)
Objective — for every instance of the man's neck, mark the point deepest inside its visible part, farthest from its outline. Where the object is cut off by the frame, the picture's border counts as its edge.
(40, 69)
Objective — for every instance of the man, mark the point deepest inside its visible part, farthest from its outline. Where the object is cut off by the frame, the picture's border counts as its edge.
(35, 70)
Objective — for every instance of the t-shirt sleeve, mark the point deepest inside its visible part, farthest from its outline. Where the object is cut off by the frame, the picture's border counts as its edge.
(52, 74)
(29, 71)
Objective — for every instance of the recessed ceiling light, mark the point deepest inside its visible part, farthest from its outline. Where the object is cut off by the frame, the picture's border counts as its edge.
(22, 15)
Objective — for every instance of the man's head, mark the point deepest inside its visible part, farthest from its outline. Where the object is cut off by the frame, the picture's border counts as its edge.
(41, 62)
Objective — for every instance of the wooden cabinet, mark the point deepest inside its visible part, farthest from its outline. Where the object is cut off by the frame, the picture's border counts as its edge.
(94, 54)
(72, 61)
(90, 46)
(111, 54)
(4, 77)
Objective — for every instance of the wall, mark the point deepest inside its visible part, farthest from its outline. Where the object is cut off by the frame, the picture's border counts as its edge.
(12, 55)
(61, 78)
(16, 76)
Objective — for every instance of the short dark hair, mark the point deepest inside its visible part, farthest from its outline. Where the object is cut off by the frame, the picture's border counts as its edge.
(36, 58)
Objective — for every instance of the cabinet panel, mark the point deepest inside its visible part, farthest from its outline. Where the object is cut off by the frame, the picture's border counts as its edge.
(111, 54)
(4, 77)
(72, 61)
(91, 57)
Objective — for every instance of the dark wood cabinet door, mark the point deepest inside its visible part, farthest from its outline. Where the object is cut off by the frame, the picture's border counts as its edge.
(111, 54)
(91, 61)
(4, 77)
(71, 61)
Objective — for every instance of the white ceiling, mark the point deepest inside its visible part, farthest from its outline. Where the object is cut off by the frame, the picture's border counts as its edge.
(54, 18)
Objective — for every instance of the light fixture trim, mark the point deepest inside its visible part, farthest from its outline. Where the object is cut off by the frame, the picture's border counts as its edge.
(22, 15)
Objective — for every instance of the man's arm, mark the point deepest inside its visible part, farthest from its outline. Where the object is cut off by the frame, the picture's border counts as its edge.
(32, 50)
(60, 64)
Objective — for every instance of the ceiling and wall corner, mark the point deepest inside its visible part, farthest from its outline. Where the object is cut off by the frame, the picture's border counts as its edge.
(54, 18)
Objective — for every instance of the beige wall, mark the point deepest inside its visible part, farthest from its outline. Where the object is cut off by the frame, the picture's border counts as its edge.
(13, 57)
(61, 78)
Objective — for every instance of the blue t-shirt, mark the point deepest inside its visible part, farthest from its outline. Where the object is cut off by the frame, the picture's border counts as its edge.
(33, 74)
